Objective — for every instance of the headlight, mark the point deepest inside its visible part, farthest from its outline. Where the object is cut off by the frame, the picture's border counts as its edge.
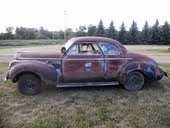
(17, 55)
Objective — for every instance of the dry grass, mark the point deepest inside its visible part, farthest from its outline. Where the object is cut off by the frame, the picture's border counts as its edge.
(9, 50)
(150, 49)
(97, 107)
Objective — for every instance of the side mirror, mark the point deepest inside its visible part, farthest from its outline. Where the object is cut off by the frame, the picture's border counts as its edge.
(63, 50)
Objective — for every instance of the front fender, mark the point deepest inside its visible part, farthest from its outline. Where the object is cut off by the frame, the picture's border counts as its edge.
(45, 71)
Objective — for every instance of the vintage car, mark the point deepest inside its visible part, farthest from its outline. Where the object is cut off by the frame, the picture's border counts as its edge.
(83, 61)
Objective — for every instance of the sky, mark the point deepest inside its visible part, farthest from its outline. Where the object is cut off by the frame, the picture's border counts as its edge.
(61, 14)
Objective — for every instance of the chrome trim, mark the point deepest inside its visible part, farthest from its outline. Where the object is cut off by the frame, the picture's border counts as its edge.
(75, 59)
(25, 58)
(87, 84)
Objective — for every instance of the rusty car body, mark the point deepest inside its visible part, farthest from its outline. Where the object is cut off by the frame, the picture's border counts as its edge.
(84, 61)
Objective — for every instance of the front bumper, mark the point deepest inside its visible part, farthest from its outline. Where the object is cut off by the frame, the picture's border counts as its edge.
(6, 77)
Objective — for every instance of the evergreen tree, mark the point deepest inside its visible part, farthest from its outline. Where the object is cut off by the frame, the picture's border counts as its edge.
(133, 35)
(100, 29)
(111, 31)
(156, 33)
(145, 34)
(122, 35)
(166, 33)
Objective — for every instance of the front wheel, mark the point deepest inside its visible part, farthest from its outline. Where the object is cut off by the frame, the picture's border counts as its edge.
(29, 84)
(134, 81)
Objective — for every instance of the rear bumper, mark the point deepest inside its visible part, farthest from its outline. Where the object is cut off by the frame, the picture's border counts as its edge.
(160, 73)
(155, 73)
(165, 74)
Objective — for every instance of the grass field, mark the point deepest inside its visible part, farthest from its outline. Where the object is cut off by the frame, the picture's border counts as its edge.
(96, 107)
(30, 42)
(150, 49)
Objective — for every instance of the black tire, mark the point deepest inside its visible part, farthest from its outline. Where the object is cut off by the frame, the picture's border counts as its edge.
(134, 81)
(29, 84)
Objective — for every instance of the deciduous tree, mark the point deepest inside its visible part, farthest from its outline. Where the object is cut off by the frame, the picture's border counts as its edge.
(81, 31)
(8, 34)
(92, 30)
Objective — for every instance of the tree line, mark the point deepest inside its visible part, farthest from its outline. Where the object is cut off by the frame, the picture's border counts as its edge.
(156, 34)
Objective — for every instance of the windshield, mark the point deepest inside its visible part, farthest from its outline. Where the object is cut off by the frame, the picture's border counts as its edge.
(68, 44)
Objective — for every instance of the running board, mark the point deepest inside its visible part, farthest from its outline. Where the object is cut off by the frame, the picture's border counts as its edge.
(86, 84)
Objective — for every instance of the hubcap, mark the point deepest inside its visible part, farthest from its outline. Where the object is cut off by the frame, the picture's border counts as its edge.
(28, 85)
(135, 80)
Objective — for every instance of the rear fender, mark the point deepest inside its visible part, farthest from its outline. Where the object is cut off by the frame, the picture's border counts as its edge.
(130, 67)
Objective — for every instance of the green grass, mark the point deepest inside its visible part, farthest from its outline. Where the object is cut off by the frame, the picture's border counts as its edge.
(105, 107)
(30, 42)
(166, 66)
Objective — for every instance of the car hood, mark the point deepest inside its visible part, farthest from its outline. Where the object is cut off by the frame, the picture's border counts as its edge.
(141, 57)
(37, 55)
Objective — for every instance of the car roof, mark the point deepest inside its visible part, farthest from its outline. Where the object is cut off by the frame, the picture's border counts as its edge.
(98, 40)
(92, 38)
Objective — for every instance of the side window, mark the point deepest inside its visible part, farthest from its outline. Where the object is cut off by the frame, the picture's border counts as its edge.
(109, 49)
(84, 49)
(89, 49)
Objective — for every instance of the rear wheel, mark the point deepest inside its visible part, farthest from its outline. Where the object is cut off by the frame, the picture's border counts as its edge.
(134, 81)
(29, 84)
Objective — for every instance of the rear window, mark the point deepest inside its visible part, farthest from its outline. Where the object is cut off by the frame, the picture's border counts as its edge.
(109, 49)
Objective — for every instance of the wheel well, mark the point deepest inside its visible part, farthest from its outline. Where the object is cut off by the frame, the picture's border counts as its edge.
(23, 73)
(140, 71)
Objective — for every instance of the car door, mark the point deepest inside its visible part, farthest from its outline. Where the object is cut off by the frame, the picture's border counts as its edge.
(113, 60)
(83, 62)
